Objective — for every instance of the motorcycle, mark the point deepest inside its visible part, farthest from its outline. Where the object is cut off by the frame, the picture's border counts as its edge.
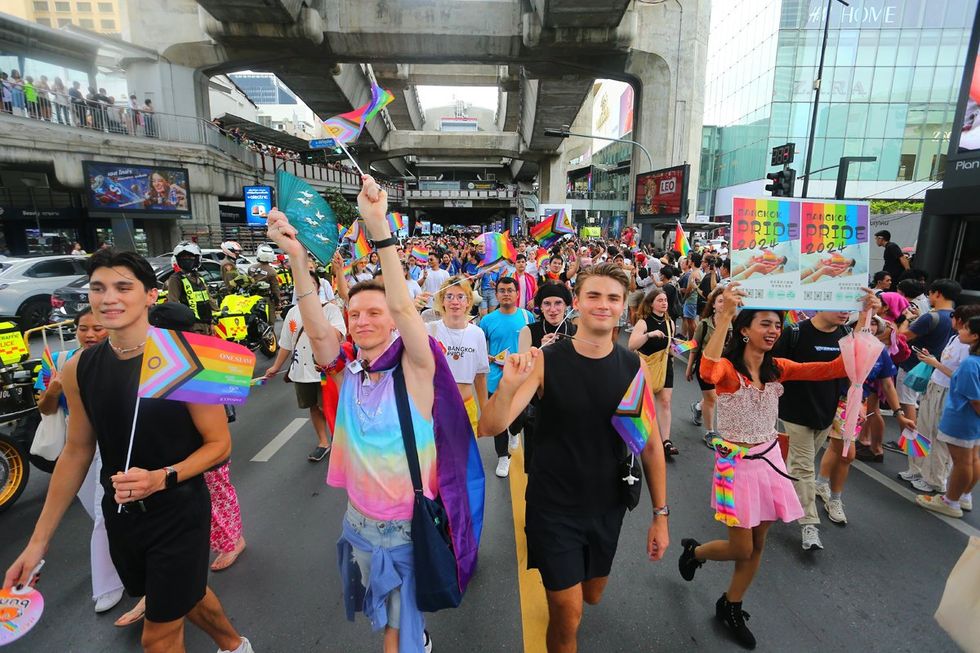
(243, 317)
(19, 416)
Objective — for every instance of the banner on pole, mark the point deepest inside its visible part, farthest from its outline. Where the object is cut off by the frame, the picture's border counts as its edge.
(800, 254)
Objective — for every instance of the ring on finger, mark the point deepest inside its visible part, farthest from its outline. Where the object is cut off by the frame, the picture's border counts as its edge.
(130, 495)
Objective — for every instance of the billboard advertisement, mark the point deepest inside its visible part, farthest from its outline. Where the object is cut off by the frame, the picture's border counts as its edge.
(662, 194)
(258, 203)
(800, 254)
(612, 111)
(124, 188)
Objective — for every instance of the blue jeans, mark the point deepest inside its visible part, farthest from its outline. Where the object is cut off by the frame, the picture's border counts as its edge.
(385, 534)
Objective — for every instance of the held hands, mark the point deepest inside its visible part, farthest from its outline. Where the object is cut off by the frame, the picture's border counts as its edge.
(372, 202)
(518, 368)
(137, 484)
(283, 234)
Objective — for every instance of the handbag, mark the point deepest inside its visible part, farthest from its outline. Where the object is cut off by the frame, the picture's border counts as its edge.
(436, 572)
(918, 377)
(960, 605)
(49, 439)
(655, 364)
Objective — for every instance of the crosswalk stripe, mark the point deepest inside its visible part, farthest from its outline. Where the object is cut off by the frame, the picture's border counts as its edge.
(276, 443)
(534, 605)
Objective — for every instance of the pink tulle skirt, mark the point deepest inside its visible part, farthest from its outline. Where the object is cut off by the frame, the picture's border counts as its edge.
(760, 493)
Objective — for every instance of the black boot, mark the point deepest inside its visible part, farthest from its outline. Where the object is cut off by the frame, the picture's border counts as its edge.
(688, 564)
(732, 615)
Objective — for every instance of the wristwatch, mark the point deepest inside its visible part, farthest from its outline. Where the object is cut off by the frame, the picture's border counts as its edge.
(387, 242)
(665, 511)
(171, 479)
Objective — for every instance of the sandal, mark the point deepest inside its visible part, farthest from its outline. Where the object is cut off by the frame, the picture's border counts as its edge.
(133, 616)
(225, 560)
(669, 448)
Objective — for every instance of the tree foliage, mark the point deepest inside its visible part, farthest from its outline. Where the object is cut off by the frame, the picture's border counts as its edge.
(884, 207)
(346, 212)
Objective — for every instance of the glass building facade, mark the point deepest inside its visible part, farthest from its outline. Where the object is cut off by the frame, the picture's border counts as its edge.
(891, 78)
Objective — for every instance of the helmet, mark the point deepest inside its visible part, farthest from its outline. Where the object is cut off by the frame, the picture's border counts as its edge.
(185, 250)
(265, 254)
(231, 249)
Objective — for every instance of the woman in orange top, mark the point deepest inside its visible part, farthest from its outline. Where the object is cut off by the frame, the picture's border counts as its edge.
(751, 489)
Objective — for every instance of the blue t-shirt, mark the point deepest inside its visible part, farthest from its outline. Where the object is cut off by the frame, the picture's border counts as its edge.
(959, 419)
(932, 332)
(488, 282)
(503, 332)
(469, 269)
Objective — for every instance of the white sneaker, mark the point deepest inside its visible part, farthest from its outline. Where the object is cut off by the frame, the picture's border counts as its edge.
(514, 442)
(108, 601)
(811, 538)
(427, 641)
(835, 511)
(922, 486)
(909, 476)
(244, 647)
(935, 503)
(966, 502)
(823, 491)
(503, 466)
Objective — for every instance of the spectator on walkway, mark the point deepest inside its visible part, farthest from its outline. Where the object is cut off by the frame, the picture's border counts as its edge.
(43, 97)
(148, 120)
(7, 93)
(896, 262)
(17, 92)
(77, 103)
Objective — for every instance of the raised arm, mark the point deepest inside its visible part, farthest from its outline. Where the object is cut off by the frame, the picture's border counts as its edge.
(337, 270)
(523, 376)
(323, 336)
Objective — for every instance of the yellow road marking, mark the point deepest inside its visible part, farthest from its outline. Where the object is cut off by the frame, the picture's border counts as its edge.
(534, 605)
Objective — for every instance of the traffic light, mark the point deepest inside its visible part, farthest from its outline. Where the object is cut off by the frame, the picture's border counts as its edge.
(783, 182)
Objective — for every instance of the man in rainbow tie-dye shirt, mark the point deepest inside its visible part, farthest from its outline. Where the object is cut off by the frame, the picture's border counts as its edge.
(368, 458)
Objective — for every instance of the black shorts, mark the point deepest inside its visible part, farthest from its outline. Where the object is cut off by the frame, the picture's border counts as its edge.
(701, 382)
(163, 554)
(569, 549)
(669, 378)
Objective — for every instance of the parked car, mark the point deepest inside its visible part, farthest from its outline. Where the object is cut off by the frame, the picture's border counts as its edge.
(68, 301)
(27, 284)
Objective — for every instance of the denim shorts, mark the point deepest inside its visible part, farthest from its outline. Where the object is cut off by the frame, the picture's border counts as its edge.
(385, 534)
(690, 311)
(489, 298)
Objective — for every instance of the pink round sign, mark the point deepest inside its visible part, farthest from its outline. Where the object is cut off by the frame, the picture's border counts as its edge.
(19, 612)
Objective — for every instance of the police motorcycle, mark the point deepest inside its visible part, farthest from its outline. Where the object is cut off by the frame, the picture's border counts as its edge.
(19, 415)
(243, 316)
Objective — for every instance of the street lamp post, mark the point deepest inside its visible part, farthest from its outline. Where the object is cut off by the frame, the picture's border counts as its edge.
(564, 133)
(30, 183)
(817, 83)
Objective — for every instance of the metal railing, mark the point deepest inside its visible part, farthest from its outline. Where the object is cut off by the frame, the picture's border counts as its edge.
(329, 174)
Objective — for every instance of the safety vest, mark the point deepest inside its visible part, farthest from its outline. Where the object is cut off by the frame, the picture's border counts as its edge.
(194, 297)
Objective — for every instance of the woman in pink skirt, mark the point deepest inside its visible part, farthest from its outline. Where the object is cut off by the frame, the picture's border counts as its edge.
(751, 489)
(226, 518)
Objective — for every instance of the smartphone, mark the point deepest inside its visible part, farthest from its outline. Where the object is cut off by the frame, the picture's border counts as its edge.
(919, 350)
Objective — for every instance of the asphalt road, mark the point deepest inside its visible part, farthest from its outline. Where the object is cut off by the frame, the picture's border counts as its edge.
(874, 587)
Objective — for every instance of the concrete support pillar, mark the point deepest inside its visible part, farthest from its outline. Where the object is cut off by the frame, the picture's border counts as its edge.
(553, 179)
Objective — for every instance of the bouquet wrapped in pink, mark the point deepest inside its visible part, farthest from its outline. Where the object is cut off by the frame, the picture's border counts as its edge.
(860, 350)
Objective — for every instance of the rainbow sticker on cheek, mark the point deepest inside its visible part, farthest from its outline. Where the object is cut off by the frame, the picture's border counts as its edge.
(19, 612)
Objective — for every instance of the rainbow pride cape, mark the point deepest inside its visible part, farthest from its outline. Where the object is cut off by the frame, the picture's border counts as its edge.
(635, 417)
(184, 366)
(459, 470)
(346, 127)
(723, 482)
(680, 240)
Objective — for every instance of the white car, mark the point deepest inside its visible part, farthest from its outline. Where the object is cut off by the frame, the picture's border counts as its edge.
(26, 285)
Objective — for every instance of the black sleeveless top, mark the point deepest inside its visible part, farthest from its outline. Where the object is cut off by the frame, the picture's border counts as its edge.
(165, 432)
(541, 327)
(654, 323)
(575, 468)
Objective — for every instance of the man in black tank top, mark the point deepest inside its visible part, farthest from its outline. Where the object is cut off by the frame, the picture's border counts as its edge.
(159, 541)
(574, 505)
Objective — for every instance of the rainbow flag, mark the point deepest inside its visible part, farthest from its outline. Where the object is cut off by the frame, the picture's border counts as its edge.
(544, 232)
(341, 232)
(563, 222)
(259, 380)
(47, 366)
(680, 347)
(498, 247)
(541, 258)
(421, 253)
(636, 418)
(346, 127)
(793, 316)
(183, 366)
(680, 240)
(396, 221)
(359, 245)
(723, 481)
(914, 444)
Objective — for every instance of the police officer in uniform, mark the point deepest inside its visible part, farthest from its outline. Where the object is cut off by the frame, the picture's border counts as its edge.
(229, 264)
(187, 287)
(265, 271)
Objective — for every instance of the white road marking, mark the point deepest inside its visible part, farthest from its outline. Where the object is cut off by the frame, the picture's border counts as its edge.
(908, 494)
(276, 443)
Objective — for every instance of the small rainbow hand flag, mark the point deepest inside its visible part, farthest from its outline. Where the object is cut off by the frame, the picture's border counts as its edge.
(635, 417)
(498, 248)
(723, 482)
(563, 222)
(541, 258)
(914, 444)
(794, 317)
(679, 346)
(680, 240)
(396, 220)
(544, 232)
(420, 253)
(501, 358)
(47, 365)
(259, 380)
(198, 369)
(359, 245)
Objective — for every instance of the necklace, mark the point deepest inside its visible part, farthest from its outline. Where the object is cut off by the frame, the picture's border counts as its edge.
(455, 344)
(126, 350)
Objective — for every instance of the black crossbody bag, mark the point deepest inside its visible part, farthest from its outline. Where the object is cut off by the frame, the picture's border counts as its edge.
(436, 573)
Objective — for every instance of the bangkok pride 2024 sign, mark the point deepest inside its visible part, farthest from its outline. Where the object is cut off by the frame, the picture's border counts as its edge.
(800, 254)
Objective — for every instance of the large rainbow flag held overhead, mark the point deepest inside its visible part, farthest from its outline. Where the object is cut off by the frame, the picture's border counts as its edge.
(182, 366)
(346, 127)
(544, 232)
(498, 247)
(680, 240)
(636, 416)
